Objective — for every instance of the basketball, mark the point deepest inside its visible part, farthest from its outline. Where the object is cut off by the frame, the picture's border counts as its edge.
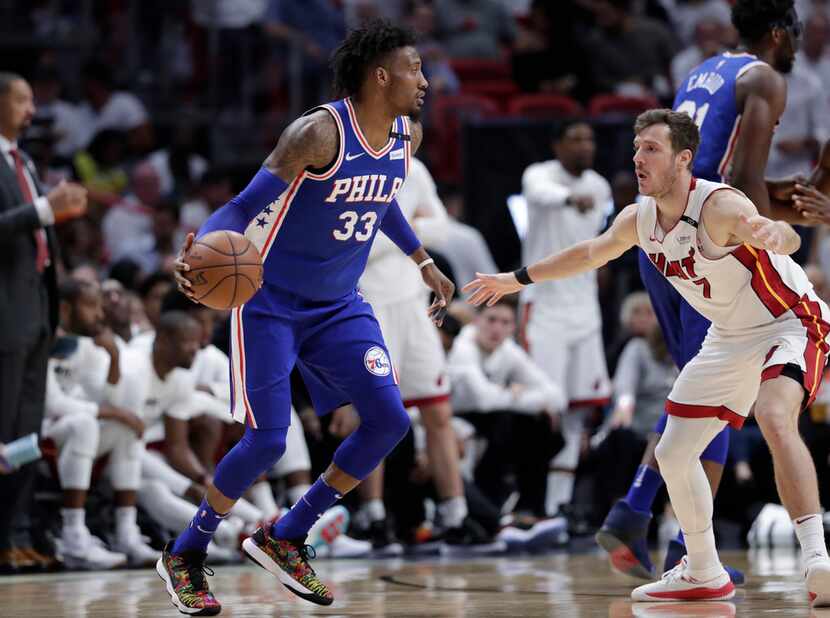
(225, 269)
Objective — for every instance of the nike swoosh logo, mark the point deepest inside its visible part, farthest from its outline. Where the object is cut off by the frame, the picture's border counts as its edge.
(801, 521)
(202, 530)
(351, 157)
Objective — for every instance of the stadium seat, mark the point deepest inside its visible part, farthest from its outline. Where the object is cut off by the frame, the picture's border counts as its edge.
(477, 69)
(543, 106)
(448, 116)
(612, 103)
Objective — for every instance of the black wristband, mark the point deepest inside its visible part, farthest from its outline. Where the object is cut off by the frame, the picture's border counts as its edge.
(522, 276)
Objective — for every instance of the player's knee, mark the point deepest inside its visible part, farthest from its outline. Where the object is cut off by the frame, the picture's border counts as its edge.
(397, 423)
(776, 423)
(669, 457)
(84, 435)
(265, 445)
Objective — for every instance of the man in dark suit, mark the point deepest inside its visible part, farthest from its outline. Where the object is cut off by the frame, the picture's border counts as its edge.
(28, 304)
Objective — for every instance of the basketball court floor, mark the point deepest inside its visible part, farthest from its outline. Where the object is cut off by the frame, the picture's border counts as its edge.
(578, 586)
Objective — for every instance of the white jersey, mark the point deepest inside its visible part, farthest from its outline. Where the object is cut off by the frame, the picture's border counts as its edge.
(554, 226)
(76, 380)
(735, 288)
(391, 276)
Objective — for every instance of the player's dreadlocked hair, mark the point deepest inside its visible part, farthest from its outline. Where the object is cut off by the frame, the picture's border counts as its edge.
(754, 18)
(362, 50)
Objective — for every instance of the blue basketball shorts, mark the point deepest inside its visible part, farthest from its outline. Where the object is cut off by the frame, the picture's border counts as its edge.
(336, 345)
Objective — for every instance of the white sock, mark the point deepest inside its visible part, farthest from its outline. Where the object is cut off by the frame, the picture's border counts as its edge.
(559, 492)
(810, 532)
(702, 555)
(73, 519)
(125, 521)
(453, 511)
(375, 510)
(263, 499)
(296, 492)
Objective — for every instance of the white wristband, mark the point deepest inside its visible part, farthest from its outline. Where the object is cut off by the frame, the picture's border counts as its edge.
(426, 262)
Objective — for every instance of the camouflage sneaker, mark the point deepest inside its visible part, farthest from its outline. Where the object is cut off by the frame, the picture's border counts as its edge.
(288, 561)
(184, 577)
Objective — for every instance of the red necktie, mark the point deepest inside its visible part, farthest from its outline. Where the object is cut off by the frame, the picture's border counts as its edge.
(40, 234)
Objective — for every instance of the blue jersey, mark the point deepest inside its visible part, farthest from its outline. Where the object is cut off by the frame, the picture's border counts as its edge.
(315, 238)
(708, 96)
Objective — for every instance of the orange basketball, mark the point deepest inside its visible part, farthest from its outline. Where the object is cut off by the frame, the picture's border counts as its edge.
(225, 269)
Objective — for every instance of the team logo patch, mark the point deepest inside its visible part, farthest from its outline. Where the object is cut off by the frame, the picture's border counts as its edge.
(376, 361)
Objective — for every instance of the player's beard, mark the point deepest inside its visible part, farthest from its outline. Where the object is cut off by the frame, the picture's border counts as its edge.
(415, 114)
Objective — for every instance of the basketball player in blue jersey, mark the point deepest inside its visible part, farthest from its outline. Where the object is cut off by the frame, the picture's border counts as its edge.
(313, 211)
(736, 99)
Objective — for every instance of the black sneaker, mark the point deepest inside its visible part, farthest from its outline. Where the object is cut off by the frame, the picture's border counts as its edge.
(380, 535)
(470, 539)
(184, 578)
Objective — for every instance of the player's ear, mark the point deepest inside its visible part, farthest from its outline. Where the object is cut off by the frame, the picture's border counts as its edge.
(685, 157)
(382, 76)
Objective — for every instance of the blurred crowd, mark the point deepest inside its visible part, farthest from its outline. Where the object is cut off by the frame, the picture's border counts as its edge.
(137, 387)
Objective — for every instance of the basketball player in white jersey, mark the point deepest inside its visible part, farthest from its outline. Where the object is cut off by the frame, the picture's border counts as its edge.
(767, 343)
(567, 203)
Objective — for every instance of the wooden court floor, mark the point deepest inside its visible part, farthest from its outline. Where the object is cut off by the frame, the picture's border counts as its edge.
(576, 586)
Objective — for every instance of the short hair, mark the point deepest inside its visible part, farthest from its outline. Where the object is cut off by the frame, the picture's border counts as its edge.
(560, 129)
(754, 18)
(152, 280)
(363, 48)
(630, 302)
(176, 301)
(174, 322)
(71, 289)
(683, 131)
(6, 79)
(511, 301)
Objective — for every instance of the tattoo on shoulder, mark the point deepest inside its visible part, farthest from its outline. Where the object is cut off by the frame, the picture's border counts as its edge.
(309, 141)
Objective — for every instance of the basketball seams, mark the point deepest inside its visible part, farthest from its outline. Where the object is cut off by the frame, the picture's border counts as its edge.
(235, 271)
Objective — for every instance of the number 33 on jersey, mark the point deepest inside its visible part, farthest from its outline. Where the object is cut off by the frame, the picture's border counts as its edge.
(315, 239)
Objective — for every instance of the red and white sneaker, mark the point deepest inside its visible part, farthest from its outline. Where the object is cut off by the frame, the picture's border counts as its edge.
(818, 583)
(676, 585)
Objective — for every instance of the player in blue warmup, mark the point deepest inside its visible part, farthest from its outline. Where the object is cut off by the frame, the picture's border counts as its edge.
(736, 99)
(313, 210)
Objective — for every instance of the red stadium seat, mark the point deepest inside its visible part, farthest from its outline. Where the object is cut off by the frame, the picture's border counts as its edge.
(501, 90)
(543, 106)
(448, 116)
(612, 103)
(476, 69)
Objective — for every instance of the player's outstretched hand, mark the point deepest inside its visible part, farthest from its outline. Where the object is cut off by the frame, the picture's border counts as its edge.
(812, 203)
(180, 267)
(490, 288)
(770, 234)
(443, 288)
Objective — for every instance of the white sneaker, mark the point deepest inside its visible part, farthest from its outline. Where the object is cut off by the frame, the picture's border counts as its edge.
(347, 547)
(818, 583)
(331, 525)
(676, 585)
(138, 552)
(81, 552)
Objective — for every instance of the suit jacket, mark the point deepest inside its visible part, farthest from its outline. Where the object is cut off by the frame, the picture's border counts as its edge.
(28, 299)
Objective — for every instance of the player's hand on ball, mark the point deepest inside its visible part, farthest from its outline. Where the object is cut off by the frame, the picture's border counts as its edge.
(490, 288)
(180, 267)
(443, 288)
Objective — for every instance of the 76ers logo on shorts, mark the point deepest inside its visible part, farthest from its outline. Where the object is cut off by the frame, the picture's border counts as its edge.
(377, 362)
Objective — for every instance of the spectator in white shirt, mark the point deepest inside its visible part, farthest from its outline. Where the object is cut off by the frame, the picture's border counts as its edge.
(815, 50)
(498, 388)
(567, 202)
(108, 108)
(803, 126)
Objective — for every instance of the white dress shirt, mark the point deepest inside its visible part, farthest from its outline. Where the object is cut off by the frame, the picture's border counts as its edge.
(44, 211)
